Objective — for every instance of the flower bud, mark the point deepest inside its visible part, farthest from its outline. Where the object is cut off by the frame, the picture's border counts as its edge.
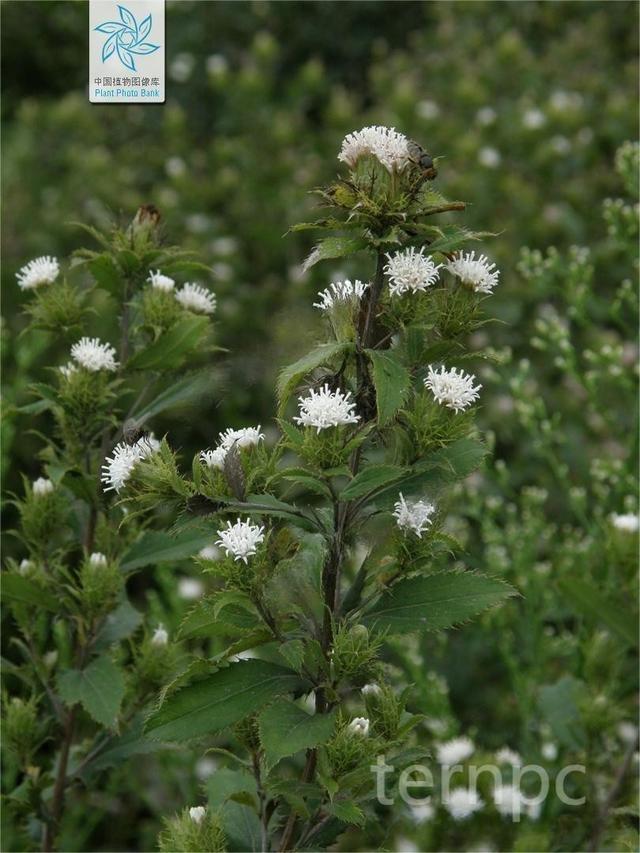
(359, 726)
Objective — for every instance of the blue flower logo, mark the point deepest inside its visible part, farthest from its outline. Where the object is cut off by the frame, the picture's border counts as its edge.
(126, 38)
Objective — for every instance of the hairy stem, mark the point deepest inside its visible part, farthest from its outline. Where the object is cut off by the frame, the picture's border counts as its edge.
(57, 802)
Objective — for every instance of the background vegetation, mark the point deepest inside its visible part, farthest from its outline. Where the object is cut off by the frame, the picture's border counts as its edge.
(528, 104)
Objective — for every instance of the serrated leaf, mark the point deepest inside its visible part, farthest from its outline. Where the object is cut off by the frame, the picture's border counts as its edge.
(559, 706)
(171, 348)
(436, 601)
(224, 783)
(189, 390)
(203, 620)
(370, 478)
(347, 812)
(220, 700)
(601, 609)
(286, 729)
(21, 590)
(293, 652)
(334, 247)
(99, 689)
(106, 273)
(392, 382)
(291, 376)
(156, 547)
(118, 625)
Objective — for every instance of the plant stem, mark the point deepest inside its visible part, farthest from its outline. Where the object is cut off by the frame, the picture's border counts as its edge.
(57, 803)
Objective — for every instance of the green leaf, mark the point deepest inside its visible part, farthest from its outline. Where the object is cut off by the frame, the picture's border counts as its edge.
(171, 348)
(106, 273)
(206, 620)
(286, 729)
(120, 748)
(559, 706)
(220, 700)
(270, 505)
(347, 812)
(21, 590)
(290, 377)
(241, 827)
(334, 247)
(392, 381)
(187, 391)
(99, 688)
(598, 608)
(155, 547)
(369, 479)
(120, 623)
(435, 601)
(224, 783)
(296, 585)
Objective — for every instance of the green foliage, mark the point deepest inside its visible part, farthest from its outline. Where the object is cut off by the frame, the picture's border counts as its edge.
(99, 688)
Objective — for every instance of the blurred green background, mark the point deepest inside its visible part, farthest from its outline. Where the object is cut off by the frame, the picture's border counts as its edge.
(527, 104)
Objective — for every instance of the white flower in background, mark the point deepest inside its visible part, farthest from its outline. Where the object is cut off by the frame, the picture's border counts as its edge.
(384, 143)
(461, 803)
(190, 588)
(43, 270)
(25, 567)
(175, 167)
(117, 468)
(509, 801)
(42, 486)
(359, 726)
(195, 298)
(452, 388)
(214, 458)
(206, 767)
(209, 552)
(246, 437)
(486, 116)
(627, 522)
(98, 560)
(415, 515)
(217, 65)
(340, 291)
(160, 282)
(371, 690)
(508, 756)
(549, 751)
(93, 355)
(241, 539)
(534, 119)
(160, 636)
(422, 812)
(405, 845)
(410, 270)
(428, 109)
(197, 813)
(479, 272)
(455, 750)
(68, 369)
(489, 157)
(627, 731)
(325, 408)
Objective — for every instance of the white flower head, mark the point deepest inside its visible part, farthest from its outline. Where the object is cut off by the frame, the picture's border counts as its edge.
(371, 690)
(461, 803)
(117, 468)
(489, 157)
(39, 271)
(93, 355)
(455, 750)
(68, 369)
(549, 751)
(41, 487)
(534, 119)
(195, 298)
(341, 292)
(98, 560)
(452, 388)
(486, 115)
(416, 515)
(209, 552)
(627, 522)
(508, 756)
(25, 567)
(159, 281)
(410, 271)
(324, 408)
(359, 726)
(384, 143)
(214, 458)
(190, 588)
(479, 273)
(205, 767)
(509, 800)
(422, 812)
(197, 813)
(241, 539)
(246, 437)
(160, 636)
(627, 731)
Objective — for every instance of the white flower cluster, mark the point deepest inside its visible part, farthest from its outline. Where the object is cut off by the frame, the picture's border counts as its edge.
(93, 355)
(195, 298)
(416, 516)
(324, 408)
(340, 292)
(508, 756)
(455, 750)
(511, 802)
(247, 437)
(98, 560)
(410, 271)
(118, 467)
(42, 486)
(197, 814)
(627, 522)
(359, 726)
(160, 282)
(384, 143)
(452, 388)
(461, 803)
(479, 273)
(39, 271)
(240, 540)
(160, 636)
